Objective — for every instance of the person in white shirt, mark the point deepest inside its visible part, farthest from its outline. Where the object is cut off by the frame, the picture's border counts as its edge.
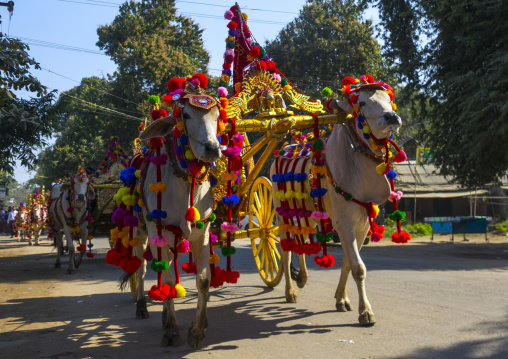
(11, 218)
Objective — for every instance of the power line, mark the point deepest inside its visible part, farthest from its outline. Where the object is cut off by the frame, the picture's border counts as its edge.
(58, 46)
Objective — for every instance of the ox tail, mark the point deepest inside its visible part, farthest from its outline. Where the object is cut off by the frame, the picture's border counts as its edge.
(295, 272)
(123, 281)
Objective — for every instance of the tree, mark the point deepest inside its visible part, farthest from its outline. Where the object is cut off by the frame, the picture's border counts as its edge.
(85, 129)
(150, 44)
(451, 55)
(25, 125)
(328, 41)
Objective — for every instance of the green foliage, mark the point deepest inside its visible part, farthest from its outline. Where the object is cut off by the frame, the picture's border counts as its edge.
(419, 229)
(84, 130)
(328, 41)
(451, 54)
(150, 44)
(502, 227)
(25, 125)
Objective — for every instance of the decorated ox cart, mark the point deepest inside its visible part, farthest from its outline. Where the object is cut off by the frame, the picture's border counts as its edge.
(197, 177)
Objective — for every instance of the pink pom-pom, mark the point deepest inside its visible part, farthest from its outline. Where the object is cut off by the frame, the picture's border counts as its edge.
(161, 241)
(277, 77)
(70, 209)
(222, 91)
(249, 42)
(374, 238)
(229, 227)
(195, 82)
(395, 196)
(237, 139)
(213, 237)
(320, 215)
(228, 15)
(400, 157)
(229, 55)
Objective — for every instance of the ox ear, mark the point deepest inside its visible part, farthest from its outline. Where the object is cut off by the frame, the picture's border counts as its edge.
(91, 193)
(341, 106)
(65, 186)
(158, 128)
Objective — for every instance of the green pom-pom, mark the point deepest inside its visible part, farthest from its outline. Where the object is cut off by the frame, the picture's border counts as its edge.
(148, 218)
(212, 218)
(284, 81)
(225, 251)
(263, 53)
(223, 84)
(348, 196)
(320, 237)
(281, 152)
(89, 227)
(136, 193)
(158, 266)
(338, 189)
(153, 100)
(397, 215)
(90, 245)
(326, 92)
(318, 145)
(214, 95)
(230, 44)
(199, 225)
(329, 237)
(143, 227)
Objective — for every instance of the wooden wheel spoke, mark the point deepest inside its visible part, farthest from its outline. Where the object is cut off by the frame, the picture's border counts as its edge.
(260, 246)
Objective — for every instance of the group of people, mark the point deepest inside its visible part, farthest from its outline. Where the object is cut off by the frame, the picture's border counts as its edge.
(8, 220)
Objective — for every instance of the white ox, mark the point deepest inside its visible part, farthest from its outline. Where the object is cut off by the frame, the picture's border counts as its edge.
(201, 128)
(35, 223)
(75, 195)
(355, 173)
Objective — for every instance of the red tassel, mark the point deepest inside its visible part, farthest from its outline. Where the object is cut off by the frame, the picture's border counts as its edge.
(399, 157)
(402, 237)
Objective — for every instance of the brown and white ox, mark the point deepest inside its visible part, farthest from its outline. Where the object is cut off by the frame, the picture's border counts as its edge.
(355, 172)
(201, 128)
(75, 195)
(35, 223)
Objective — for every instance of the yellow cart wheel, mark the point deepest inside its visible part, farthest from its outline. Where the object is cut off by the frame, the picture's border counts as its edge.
(263, 232)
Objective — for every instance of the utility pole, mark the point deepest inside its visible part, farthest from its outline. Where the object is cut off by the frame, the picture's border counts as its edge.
(10, 9)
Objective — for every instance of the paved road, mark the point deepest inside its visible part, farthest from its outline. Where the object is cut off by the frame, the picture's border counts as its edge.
(431, 300)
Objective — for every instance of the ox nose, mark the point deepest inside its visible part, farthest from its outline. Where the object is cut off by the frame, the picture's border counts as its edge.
(212, 150)
(81, 197)
(392, 119)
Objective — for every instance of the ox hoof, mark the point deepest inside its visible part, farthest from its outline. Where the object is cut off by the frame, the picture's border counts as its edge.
(37, 244)
(142, 314)
(77, 263)
(367, 319)
(301, 281)
(291, 297)
(58, 265)
(343, 306)
(195, 338)
(30, 243)
(169, 340)
(69, 271)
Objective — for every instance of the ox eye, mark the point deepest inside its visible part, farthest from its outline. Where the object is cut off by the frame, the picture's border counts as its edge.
(362, 104)
(186, 116)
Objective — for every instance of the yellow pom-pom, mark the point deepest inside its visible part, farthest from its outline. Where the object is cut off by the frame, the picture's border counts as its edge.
(374, 146)
(245, 17)
(180, 291)
(366, 129)
(230, 38)
(381, 168)
(376, 209)
(141, 203)
(238, 86)
(287, 88)
(356, 108)
(180, 125)
(125, 242)
(189, 155)
(129, 200)
(137, 174)
(225, 78)
(222, 127)
(394, 107)
(134, 242)
(89, 238)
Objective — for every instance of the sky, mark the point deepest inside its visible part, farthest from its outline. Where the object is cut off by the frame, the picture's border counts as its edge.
(62, 34)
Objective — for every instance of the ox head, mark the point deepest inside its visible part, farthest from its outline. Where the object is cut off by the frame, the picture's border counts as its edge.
(195, 114)
(371, 102)
(80, 190)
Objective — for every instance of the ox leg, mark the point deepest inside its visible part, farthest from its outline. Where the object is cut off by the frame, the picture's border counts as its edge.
(303, 275)
(70, 247)
(141, 309)
(30, 236)
(37, 233)
(59, 244)
(83, 233)
(199, 325)
(171, 336)
(351, 250)
(291, 296)
(342, 301)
